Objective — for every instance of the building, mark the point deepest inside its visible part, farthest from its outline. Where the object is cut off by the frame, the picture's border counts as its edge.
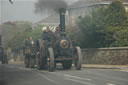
(83, 7)
(79, 8)
(52, 20)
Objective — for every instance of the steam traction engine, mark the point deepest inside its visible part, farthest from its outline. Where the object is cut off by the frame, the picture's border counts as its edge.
(58, 51)
(3, 56)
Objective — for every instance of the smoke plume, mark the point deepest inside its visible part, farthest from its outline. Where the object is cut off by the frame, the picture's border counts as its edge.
(49, 5)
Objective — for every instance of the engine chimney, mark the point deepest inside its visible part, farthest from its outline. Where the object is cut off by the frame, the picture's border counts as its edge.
(62, 12)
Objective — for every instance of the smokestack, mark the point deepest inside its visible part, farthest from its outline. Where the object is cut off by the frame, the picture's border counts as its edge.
(62, 12)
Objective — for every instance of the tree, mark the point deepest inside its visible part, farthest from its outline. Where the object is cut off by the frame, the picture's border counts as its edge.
(92, 29)
(115, 19)
(115, 13)
(105, 26)
(15, 33)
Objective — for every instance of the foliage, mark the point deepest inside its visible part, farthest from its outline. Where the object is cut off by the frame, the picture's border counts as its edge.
(74, 35)
(105, 26)
(14, 34)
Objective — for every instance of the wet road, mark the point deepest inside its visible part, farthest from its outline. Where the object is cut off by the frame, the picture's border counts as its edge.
(13, 74)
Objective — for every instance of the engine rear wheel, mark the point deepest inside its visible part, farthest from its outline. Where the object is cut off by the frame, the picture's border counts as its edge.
(67, 64)
(41, 58)
(41, 63)
(50, 60)
(78, 58)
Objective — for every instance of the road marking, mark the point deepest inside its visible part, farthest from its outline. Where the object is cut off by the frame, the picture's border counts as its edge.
(124, 70)
(87, 79)
(22, 68)
(68, 77)
(78, 81)
(110, 84)
(49, 79)
(10, 67)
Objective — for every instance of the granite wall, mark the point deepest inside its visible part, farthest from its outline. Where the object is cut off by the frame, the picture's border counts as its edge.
(113, 56)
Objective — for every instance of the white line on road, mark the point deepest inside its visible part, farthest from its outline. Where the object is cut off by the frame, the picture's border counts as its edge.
(87, 79)
(78, 81)
(22, 68)
(110, 84)
(49, 79)
(10, 67)
(124, 70)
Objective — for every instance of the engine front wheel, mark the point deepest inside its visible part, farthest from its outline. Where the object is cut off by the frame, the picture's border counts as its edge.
(50, 60)
(78, 58)
(41, 63)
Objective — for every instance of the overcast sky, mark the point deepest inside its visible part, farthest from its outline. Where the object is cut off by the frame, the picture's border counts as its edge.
(20, 10)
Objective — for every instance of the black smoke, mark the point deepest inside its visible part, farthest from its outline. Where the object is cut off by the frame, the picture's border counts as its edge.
(49, 5)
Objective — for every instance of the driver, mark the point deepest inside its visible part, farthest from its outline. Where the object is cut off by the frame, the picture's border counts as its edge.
(48, 35)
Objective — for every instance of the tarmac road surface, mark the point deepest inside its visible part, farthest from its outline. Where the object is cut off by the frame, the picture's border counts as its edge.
(17, 74)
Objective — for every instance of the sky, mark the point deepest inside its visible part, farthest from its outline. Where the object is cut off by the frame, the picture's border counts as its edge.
(21, 10)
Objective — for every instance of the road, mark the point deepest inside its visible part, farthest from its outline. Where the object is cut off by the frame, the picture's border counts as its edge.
(17, 74)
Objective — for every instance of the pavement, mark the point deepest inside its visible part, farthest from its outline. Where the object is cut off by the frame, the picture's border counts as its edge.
(17, 74)
(105, 66)
(96, 66)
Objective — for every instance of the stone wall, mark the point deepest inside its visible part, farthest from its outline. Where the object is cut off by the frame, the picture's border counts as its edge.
(113, 56)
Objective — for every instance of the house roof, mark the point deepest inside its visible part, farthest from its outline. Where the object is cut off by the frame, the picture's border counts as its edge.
(53, 19)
